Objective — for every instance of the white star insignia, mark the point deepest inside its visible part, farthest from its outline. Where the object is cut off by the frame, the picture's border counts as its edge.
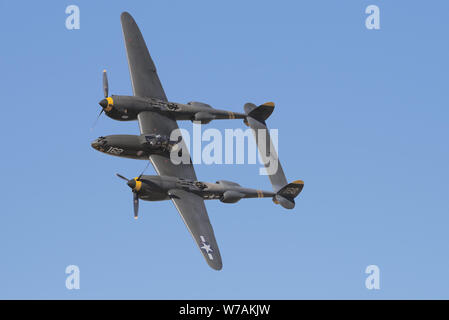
(206, 247)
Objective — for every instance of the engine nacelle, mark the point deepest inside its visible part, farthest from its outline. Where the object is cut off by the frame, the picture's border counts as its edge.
(231, 196)
(124, 108)
(204, 117)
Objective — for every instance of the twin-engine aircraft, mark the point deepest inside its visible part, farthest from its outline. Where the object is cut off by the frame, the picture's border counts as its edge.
(157, 120)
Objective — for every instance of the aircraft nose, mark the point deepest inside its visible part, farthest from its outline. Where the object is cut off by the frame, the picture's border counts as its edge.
(95, 144)
(131, 184)
(99, 143)
(103, 103)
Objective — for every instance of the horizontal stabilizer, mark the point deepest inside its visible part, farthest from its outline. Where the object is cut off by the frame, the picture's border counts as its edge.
(256, 117)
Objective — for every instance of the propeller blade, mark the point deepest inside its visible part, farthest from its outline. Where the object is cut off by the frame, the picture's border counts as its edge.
(120, 176)
(96, 120)
(136, 204)
(105, 84)
(146, 167)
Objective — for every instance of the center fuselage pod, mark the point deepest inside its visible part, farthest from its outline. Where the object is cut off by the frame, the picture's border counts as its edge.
(135, 147)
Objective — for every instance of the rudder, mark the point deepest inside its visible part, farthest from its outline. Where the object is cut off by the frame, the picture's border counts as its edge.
(260, 113)
(287, 194)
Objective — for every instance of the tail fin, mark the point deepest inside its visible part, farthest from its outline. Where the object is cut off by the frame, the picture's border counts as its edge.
(260, 113)
(286, 195)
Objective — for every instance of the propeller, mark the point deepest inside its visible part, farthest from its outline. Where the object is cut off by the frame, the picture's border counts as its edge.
(146, 167)
(121, 177)
(105, 84)
(96, 120)
(103, 103)
(136, 205)
(135, 185)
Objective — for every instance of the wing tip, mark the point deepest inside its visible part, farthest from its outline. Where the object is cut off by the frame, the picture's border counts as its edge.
(216, 266)
(126, 17)
(125, 14)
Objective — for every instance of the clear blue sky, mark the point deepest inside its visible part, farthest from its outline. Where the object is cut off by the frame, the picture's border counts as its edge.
(362, 118)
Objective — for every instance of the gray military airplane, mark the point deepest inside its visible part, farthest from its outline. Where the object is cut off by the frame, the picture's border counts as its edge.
(157, 120)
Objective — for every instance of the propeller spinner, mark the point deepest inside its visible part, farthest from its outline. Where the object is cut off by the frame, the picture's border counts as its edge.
(135, 184)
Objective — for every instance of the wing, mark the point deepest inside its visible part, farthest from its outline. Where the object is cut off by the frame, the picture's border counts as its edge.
(193, 211)
(144, 78)
(146, 83)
